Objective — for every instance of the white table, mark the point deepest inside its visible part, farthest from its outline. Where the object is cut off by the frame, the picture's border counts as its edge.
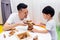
(41, 36)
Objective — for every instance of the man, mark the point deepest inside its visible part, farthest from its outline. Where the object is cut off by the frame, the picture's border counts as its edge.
(16, 19)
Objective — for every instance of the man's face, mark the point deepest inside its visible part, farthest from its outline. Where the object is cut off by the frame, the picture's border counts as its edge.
(23, 13)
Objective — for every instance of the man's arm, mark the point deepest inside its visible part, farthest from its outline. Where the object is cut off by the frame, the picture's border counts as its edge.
(8, 26)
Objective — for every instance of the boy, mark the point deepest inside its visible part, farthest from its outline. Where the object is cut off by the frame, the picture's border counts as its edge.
(48, 13)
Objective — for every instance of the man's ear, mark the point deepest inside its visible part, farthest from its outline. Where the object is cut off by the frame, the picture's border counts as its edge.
(19, 11)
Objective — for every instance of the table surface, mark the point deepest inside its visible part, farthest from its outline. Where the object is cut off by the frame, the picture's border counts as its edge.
(41, 36)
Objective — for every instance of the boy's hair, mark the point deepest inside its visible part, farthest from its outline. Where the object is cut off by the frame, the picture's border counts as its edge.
(48, 10)
(21, 6)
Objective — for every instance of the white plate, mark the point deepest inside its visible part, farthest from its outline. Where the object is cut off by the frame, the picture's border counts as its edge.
(24, 29)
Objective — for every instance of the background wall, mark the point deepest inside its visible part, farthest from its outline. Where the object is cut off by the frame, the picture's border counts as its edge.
(35, 8)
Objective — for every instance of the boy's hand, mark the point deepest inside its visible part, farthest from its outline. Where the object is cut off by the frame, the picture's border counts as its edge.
(42, 24)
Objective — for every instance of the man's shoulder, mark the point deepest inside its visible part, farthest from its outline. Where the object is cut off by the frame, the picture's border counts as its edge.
(14, 14)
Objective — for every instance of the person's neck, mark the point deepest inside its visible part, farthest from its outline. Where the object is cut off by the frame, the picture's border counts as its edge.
(20, 17)
(49, 19)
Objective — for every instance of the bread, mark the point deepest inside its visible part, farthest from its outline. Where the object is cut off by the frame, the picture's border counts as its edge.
(4, 36)
(11, 33)
(30, 26)
(13, 29)
(23, 35)
(36, 38)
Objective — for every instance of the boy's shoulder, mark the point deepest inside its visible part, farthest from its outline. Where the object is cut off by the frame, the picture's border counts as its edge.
(51, 22)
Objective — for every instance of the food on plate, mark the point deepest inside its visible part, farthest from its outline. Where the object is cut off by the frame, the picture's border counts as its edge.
(36, 38)
(26, 21)
(30, 26)
(13, 29)
(4, 36)
(29, 21)
(23, 35)
(11, 33)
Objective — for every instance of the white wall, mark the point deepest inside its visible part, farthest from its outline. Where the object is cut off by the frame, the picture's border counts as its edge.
(35, 8)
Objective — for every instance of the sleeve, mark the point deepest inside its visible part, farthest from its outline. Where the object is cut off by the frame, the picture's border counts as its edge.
(10, 19)
(49, 26)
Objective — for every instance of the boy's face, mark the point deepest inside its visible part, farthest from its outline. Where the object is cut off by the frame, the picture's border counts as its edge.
(46, 16)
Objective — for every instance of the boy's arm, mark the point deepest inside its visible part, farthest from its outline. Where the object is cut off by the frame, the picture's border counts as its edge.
(42, 24)
(40, 31)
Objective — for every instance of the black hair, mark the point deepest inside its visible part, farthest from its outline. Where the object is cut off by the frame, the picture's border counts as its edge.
(48, 10)
(21, 6)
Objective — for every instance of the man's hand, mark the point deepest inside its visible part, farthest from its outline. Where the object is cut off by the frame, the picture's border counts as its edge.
(8, 26)
(26, 21)
(20, 24)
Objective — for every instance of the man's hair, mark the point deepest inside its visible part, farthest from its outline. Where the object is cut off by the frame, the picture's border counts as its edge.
(48, 10)
(21, 6)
